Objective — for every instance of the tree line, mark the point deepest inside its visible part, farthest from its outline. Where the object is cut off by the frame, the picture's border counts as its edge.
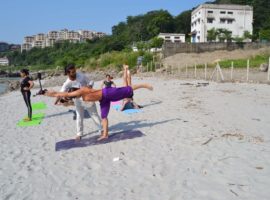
(135, 30)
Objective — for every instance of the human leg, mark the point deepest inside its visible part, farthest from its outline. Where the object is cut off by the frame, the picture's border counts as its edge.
(29, 105)
(104, 108)
(80, 117)
(105, 126)
(92, 110)
(26, 97)
(142, 85)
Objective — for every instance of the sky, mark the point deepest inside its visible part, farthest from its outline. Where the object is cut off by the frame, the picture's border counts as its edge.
(19, 18)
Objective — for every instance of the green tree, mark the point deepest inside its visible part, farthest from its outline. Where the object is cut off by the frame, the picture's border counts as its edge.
(182, 22)
(156, 42)
(212, 35)
(264, 35)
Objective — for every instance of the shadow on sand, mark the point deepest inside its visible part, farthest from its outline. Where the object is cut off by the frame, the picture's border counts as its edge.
(85, 142)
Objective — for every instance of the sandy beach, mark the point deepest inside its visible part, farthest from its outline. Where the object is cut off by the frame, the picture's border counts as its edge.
(191, 141)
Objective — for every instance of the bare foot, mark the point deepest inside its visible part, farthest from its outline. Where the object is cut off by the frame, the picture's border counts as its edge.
(149, 87)
(78, 138)
(103, 137)
(27, 119)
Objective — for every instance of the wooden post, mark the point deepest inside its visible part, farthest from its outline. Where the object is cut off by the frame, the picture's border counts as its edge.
(186, 71)
(147, 67)
(195, 71)
(268, 74)
(205, 71)
(231, 71)
(247, 70)
(217, 71)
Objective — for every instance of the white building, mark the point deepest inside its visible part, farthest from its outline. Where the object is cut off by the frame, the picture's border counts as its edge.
(26, 46)
(173, 37)
(42, 40)
(235, 18)
(4, 61)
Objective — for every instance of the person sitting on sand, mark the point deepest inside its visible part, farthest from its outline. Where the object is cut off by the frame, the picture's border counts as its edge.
(108, 82)
(129, 103)
(26, 85)
(105, 96)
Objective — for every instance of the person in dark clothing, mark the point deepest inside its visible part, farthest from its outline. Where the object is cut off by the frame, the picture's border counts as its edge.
(128, 103)
(26, 85)
(108, 82)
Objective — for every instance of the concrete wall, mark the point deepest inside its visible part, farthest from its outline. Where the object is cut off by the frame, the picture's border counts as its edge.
(170, 49)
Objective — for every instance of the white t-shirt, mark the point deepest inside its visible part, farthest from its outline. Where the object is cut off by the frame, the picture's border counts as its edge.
(81, 81)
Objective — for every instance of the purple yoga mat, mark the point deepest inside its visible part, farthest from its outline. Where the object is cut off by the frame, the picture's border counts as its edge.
(85, 142)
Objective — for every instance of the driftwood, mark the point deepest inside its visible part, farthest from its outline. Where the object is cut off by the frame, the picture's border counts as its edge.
(209, 140)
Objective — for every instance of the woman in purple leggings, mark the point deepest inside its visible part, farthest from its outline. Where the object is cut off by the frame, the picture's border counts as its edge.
(105, 96)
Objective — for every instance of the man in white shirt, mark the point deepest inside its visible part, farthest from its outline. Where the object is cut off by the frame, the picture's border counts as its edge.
(78, 80)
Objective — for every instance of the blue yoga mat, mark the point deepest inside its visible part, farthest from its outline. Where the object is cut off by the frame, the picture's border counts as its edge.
(128, 111)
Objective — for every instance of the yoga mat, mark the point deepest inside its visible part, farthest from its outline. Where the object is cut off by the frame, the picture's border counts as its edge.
(36, 120)
(128, 111)
(39, 106)
(116, 103)
(85, 142)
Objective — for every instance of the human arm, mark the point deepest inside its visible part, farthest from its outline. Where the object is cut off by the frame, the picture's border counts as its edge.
(31, 85)
(113, 84)
(125, 101)
(52, 93)
(102, 85)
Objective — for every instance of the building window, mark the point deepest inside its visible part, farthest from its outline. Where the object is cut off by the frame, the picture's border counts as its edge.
(222, 12)
(222, 21)
(210, 20)
(230, 21)
(230, 13)
(176, 37)
(167, 37)
(210, 11)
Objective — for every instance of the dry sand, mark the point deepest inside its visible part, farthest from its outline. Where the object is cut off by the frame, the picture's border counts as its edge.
(207, 142)
(190, 59)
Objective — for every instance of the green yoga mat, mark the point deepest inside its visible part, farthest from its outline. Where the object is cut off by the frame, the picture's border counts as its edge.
(39, 106)
(36, 120)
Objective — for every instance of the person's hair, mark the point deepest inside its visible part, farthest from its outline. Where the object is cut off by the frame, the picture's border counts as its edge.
(108, 75)
(25, 71)
(69, 67)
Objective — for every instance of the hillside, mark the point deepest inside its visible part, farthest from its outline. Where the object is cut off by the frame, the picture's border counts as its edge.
(183, 59)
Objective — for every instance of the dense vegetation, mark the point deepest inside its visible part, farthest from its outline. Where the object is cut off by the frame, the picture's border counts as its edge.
(140, 30)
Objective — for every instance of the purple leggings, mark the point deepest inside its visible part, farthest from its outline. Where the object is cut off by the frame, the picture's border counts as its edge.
(113, 94)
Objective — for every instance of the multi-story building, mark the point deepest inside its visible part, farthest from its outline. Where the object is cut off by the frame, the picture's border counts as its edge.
(42, 40)
(86, 35)
(63, 34)
(173, 37)
(40, 37)
(4, 61)
(235, 18)
(99, 34)
(29, 39)
(26, 46)
(73, 36)
(53, 35)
